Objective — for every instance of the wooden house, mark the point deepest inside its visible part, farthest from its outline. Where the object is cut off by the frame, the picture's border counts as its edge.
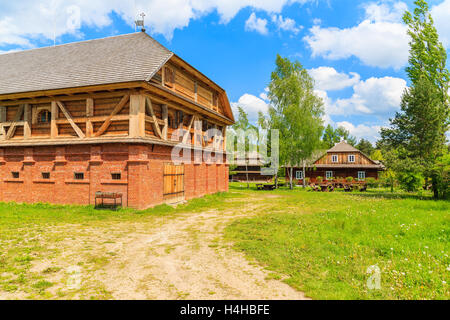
(104, 116)
(250, 167)
(340, 162)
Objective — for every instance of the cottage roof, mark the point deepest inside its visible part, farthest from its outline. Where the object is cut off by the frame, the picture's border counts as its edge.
(343, 146)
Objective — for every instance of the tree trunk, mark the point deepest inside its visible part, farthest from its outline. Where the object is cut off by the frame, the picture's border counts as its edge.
(276, 180)
(304, 175)
(291, 171)
(246, 171)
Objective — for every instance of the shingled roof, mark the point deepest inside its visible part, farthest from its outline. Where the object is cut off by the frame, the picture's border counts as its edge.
(343, 146)
(124, 58)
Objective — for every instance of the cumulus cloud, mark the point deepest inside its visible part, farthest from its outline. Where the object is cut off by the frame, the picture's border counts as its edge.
(441, 16)
(252, 105)
(286, 24)
(380, 40)
(374, 96)
(25, 20)
(329, 79)
(362, 131)
(256, 24)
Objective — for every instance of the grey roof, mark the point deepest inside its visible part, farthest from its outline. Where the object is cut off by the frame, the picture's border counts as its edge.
(343, 146)
(124, 58)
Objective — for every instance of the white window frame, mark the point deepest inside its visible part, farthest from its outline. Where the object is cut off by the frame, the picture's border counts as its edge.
(351, 158)
(333, 157)
(360, 174)
(299, 175)
(328, 175)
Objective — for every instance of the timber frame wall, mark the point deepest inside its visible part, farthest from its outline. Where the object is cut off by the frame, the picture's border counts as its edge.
(124, 129)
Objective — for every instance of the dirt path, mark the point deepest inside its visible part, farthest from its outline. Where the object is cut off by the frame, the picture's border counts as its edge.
(186, 258)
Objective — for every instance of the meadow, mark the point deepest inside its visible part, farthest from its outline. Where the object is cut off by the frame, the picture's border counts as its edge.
(327, 245)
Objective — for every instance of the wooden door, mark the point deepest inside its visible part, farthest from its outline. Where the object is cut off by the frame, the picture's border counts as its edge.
(173, 183)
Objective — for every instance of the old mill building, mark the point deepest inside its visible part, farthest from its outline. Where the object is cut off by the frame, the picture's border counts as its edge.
(104, 115)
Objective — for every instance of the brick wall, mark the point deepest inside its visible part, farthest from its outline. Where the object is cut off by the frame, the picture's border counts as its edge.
(140, 166)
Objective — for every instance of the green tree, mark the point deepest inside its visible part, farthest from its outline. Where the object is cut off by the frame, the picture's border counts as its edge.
(296, 112)
(332, 136)
(365, 146)
(242, 123)
(418, 131)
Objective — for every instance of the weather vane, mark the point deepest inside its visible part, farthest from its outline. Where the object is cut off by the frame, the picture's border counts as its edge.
(140, 22)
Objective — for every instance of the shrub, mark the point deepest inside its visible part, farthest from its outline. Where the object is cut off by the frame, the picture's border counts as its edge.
(372, 183)
(441, 177)
(319, 179)
(307, 181)
(349, 179)
(411, 181)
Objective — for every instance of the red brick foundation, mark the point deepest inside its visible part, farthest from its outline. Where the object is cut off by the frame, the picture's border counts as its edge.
(140, 166)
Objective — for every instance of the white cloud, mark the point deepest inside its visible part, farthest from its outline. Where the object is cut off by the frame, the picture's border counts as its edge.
(27, 20)
(441, 16)
(256, 24)
(286, 24)
(378, 41)
(375, 96)
(251, 105)
(329, 79)
(362, 131)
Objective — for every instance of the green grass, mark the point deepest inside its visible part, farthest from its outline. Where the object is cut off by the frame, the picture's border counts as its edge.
(323, 243)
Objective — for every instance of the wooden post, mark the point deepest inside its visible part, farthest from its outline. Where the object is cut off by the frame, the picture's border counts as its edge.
(53, 125)
(27, 122)
(2, 114)
(137, 116)
(165, 117)
(89, 114)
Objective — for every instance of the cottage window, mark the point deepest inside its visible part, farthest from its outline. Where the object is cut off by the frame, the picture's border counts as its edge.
(15, 175)
(45, 175)
(299, 175)
(361, 175)
(116, 176)
(334, 158)
(44, 117)
(351, 158)
(329, 175)
(169, 77)
(79, 176)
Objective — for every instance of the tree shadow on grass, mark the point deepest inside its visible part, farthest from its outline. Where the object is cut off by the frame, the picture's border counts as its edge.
(389, 195)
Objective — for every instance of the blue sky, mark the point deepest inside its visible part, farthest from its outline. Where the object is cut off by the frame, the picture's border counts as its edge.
(355, 50)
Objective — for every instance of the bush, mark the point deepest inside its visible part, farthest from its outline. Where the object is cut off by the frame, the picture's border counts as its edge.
(349, 179)
(319, 179)
(372, 183)
(441, 177)
(411, 181)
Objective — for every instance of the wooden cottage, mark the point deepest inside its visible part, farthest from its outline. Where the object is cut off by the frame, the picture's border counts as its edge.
(104, 116)
(250, 167)
(340, 162)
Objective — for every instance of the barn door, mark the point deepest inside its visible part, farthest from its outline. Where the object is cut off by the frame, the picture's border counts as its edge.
(173, 183)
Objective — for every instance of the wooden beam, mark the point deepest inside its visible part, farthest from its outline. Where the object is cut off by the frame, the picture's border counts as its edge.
(116, 110)
(165, 117)
(70, 119)
(89, 115)
(188, 132)
(137, 116)
(2, 114)
(13, 127)
(155, 124)
(53, 125)
(27, 122)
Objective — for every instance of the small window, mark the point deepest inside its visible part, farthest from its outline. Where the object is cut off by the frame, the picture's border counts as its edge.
(15, 175)
(79, 176)
(45, 175)
(299, 175)
(361, 175)
(334, 158)
(116, 176)
(44, 117)
(169, 77)
(351, 158)
(329, 175)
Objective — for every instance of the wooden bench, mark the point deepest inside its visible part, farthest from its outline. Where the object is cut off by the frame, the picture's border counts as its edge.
(267, 187)
(110, 196)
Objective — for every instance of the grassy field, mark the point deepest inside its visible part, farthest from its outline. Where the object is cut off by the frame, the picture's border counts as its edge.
(319, 243)
(323, 244)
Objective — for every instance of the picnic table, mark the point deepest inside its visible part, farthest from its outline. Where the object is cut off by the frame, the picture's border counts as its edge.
(110, 196)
